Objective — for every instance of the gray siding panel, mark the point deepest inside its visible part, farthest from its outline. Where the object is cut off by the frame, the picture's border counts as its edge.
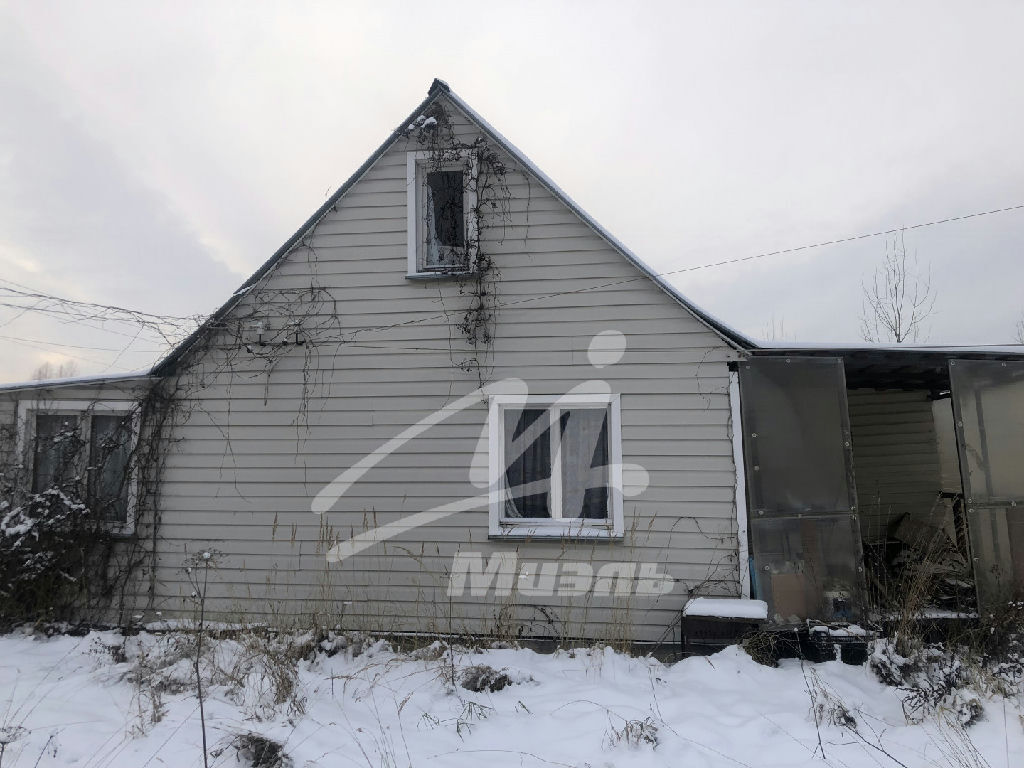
(895, 457)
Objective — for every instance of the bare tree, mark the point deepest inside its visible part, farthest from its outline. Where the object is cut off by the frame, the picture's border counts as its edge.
(774, 330)
(48, 371)
(1018, 335)
(899, 299)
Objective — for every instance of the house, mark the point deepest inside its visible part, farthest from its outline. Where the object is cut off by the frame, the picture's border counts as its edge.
(451, 402)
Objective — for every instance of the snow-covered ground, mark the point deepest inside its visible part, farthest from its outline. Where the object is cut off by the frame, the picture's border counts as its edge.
(102, 700)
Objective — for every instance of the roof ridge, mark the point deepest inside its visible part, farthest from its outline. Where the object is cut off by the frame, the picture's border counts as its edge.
(437, 89)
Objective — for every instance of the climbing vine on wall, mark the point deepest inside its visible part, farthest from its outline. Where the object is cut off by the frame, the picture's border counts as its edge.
(485, 186)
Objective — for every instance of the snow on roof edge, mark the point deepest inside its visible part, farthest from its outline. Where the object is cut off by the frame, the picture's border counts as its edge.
(814, 346)
(74, 381)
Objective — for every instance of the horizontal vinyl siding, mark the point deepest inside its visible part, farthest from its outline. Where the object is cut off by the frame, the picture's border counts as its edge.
(895, 456)
(253, 446)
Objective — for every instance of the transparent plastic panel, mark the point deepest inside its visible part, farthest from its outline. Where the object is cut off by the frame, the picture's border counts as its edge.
(796, 435)
(808, 567)
(997, 541)
(989, 398)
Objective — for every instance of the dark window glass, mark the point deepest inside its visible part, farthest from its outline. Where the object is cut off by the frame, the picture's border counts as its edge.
(109, 447)
(584, 449)
(445, 197)
(527, 462)
(57, 442)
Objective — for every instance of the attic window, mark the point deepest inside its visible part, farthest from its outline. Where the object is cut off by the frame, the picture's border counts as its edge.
(441, 198)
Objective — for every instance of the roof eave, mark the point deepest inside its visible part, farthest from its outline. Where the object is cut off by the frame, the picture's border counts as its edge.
(76, 381)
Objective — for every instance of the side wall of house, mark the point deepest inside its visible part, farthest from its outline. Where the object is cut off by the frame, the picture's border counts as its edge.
(895, 456)
(261, 430)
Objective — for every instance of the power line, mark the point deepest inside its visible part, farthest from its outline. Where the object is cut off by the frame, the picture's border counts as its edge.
(710, 265)
(14, 295)
(28, 292)
(44, 349)
(168, 325)
(72, 346)
(849, 239)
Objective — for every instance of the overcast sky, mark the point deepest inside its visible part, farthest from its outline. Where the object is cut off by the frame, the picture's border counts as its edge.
(152, 156)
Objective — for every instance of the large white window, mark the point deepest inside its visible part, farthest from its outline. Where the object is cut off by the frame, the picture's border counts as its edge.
(83, 449)
(555, 466)
(441, 213)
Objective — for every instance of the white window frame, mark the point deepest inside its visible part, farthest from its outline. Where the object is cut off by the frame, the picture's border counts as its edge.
(84, 410)
(417, 164)
(556, 527)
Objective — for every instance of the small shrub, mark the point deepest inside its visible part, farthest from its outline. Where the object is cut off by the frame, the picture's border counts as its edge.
(931, 679)
(827, 706)
(768, 647)
(53, 557)
(263, 673)
(634, 733)
(480, 678)
(10, 734)
(258, 751)
(471, 713)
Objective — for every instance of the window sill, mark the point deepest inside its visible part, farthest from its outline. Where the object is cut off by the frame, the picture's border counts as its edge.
(436, 275)
(556, 532)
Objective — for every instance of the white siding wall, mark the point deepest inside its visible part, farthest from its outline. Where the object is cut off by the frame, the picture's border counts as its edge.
(256, 445)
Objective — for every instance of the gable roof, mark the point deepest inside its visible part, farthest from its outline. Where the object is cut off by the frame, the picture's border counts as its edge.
(438, 89)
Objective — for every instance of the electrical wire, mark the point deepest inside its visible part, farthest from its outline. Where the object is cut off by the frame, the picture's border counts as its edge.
(171, 325)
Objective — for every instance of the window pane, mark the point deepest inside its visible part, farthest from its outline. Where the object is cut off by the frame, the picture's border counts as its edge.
(109, 446)
(56, 447)
(527, 462)
(444, 191)
(584, 447)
